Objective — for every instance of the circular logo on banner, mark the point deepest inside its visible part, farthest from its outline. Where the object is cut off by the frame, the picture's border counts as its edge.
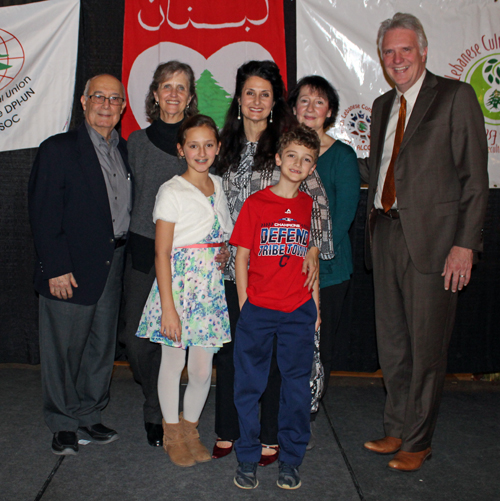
(358, 123)
(354, 127)
(484, 76)
(11, 58)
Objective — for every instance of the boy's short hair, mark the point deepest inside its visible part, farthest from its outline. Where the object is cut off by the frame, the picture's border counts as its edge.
(302, 135)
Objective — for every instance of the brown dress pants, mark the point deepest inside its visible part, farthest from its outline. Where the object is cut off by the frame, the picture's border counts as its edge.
(414, 320)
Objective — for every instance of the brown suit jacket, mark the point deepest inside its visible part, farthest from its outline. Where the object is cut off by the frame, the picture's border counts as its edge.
(440, 174)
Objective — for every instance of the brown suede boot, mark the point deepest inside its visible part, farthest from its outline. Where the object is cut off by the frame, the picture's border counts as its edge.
(192, 437)
(175, 445)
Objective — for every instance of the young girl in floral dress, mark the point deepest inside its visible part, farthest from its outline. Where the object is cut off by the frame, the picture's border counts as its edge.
(186, 308)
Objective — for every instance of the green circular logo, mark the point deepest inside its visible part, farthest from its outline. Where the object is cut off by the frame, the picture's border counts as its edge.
(484, 76)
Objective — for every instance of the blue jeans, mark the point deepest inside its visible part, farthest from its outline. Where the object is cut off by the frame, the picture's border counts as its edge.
(253, 348)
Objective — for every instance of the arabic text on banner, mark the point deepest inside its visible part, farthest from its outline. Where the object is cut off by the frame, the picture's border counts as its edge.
(38, 50)
(214, 38)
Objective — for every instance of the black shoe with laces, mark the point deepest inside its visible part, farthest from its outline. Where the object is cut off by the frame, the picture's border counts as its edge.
(65, 443)
(99, 433)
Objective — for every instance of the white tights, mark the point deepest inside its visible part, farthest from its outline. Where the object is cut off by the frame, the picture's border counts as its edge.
(200, 374)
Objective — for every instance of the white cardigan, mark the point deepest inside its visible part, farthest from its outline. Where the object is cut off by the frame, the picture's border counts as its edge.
(180, 202)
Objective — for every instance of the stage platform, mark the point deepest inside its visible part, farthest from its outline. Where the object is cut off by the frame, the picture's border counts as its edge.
(464, 466)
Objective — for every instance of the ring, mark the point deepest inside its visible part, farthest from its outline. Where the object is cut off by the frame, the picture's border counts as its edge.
(462, 276)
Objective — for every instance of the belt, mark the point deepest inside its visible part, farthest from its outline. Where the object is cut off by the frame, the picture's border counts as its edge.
(390, 214)
(201, 246)
(120, 242)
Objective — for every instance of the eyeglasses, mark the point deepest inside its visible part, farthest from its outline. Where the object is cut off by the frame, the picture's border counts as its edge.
(113, 100)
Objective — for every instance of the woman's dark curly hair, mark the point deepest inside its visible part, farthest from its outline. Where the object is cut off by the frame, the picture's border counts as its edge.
(324, 88)
(162, 73)
(233, 134)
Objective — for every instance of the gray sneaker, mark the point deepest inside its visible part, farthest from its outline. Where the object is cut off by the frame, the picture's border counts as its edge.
(289, 476)
(246, 476)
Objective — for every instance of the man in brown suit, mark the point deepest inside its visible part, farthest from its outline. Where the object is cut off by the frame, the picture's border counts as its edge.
(428, 189)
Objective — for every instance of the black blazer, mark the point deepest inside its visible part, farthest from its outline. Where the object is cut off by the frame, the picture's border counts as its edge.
(70, 215)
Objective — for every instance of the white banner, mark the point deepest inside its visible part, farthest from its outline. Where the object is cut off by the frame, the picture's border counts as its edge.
(337, 39)
(38, 49)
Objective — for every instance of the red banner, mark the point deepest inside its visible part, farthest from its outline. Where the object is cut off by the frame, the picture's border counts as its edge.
(215, 37)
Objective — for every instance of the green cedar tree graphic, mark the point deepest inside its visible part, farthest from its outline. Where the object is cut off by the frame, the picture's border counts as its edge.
(4, 66)
(494, 71)
(213, 100)
(494, 99)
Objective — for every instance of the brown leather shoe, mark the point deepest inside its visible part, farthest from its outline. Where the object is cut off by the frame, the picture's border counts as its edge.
(409, 461)
(386, 445)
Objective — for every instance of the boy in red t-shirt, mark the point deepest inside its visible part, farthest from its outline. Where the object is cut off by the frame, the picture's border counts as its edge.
(272, 236)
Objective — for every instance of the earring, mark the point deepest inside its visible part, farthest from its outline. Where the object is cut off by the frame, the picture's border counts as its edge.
(239, 112)
(156, 104)
(187, 107)
(271, 117)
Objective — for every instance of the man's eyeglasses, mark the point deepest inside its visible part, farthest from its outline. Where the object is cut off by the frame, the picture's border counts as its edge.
(113, 100)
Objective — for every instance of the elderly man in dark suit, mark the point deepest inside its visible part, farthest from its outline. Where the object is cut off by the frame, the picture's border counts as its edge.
(428, 189)
(79, 207)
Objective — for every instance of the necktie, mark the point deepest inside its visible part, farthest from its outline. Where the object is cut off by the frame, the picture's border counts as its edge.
(389, 191)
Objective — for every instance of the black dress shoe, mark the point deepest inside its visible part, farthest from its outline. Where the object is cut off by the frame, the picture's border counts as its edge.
(65, 443)
(155, 434)
(99, 433)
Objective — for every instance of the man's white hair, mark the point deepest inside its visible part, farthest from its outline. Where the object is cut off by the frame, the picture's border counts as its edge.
(406, 21)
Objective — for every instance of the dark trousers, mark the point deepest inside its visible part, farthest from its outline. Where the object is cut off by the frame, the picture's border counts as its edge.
(294, 331)
(143, 355)
(414, 319)
(226, 417)
(331, 301)
(77, 349)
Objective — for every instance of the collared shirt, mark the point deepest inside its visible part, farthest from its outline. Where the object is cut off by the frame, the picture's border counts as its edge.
(411, 97)
(116, 178)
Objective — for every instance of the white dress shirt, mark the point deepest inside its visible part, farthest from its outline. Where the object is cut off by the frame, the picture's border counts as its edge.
(411, 97)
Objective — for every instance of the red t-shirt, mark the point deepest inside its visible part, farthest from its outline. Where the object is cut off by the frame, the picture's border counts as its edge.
(276, 230)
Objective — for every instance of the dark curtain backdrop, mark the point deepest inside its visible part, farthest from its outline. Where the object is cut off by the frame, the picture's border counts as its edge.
(475, 346)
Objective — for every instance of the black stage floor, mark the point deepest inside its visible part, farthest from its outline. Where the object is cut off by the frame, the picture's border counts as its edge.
(464, 466)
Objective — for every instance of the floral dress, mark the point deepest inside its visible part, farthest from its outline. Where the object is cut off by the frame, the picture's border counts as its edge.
(199, 297)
